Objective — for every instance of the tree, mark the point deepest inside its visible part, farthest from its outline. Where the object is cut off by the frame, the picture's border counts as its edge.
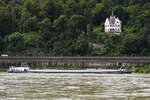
(46, 34)
(32, 7)
(130, 45)
(5, 22)
(2, 45)
(111, 45)
(97, 13)
(81, 45)
(142, 19)
(73, 7)
(77, 24)
(51, 9)
(15, 43)
(45, 25)
(60, 23)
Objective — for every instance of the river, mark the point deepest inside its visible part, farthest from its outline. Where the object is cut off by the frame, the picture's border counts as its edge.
(34, 86)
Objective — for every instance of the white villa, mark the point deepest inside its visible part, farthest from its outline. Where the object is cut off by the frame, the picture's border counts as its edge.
(113, 24)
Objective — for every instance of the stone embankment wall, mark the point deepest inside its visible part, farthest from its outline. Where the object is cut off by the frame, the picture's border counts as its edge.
(81, 62)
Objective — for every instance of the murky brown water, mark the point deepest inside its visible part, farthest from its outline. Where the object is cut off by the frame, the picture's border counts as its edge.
(74, 86)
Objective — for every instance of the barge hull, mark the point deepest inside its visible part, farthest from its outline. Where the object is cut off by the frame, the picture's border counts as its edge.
(77, 71)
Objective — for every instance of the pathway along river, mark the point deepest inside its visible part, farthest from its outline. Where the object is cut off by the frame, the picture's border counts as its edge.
(34, 86)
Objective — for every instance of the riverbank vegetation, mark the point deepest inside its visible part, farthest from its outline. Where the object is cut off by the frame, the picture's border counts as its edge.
(73, 27)
(145, 69)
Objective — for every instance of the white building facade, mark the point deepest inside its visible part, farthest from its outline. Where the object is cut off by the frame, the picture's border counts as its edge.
(113, 24)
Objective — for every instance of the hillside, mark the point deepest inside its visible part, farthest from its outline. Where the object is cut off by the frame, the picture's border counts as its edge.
(73, 27)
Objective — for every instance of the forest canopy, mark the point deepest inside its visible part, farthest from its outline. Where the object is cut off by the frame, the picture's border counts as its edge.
(73, 28)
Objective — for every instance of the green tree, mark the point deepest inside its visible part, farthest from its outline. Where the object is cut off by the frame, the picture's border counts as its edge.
(97, 13)
(46, 33)
(2, 45)
(60, 23)
(5, 22)
(32, 7)
(142, 19)
(130, 45)
(77, 24)
(51, 9)
(112, 43)
(81, 45)
(15, 43)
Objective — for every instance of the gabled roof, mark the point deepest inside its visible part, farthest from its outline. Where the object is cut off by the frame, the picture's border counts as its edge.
(112, 20)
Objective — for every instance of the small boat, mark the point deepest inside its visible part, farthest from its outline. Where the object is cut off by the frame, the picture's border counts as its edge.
(13, 69)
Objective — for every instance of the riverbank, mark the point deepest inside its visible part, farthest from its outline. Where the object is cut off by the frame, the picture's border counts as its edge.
(145, 69)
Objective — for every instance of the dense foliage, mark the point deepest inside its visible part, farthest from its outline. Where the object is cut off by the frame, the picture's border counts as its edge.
(73, 27)
(145, 69)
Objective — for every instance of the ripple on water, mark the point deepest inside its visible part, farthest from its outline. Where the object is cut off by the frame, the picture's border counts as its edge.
(35, 86)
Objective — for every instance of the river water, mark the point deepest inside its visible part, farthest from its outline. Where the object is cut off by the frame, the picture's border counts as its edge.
(34, 86)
